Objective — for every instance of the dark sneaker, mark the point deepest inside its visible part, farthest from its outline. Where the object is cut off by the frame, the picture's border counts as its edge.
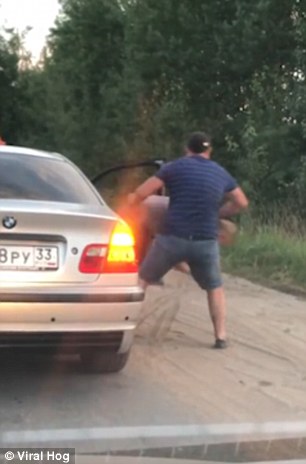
(220, 344)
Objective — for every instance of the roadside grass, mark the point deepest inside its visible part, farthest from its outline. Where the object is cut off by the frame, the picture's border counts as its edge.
(270, 250)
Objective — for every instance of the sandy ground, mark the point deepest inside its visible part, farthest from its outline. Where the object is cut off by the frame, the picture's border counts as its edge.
(260, 377)
(174, 379)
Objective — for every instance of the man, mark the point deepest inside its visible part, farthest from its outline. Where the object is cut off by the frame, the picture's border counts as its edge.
(197, 188)
(152, 217)
(152, 214)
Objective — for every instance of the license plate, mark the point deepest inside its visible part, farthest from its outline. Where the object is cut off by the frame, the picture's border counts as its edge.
(28, 257)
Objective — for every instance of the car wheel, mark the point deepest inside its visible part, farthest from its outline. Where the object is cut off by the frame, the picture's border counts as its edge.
(98, 363)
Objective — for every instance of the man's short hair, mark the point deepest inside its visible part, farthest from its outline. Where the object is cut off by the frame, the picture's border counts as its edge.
(198, 142)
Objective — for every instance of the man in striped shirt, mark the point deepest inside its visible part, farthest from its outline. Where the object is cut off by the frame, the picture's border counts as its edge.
(197, 187)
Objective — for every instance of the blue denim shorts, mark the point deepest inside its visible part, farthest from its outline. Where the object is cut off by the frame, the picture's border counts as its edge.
(203, 258)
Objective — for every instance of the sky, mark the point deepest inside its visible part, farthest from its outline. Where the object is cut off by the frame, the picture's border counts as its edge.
(39, 14)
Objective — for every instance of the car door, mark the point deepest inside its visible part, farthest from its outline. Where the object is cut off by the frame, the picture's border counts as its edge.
(114, 185)
(116, 182)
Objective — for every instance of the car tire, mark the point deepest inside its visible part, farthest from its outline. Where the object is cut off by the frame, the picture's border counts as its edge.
(96, 362)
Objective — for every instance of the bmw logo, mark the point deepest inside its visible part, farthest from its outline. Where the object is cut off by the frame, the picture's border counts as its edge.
(9, 222)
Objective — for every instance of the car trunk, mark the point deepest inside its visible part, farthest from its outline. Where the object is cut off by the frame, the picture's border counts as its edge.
(114, 185)
(46, 244)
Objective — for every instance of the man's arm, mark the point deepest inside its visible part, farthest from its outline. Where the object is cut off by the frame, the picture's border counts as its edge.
(150, 186)
(236, 201)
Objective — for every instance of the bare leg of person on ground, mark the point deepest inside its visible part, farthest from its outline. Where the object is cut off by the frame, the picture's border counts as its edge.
(182, 267)
(143, 284)
(217, 310)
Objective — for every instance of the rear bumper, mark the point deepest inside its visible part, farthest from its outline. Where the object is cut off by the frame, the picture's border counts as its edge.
(71, 297)
(71, 319)
(63, 341)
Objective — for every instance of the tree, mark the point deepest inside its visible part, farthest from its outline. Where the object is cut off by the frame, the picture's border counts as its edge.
(8, 81)
(128, 79)
(86, 60)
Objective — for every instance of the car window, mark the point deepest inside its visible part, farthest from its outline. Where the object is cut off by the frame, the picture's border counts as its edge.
(42, 179)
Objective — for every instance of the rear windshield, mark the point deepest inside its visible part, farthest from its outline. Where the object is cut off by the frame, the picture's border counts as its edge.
(43, 179)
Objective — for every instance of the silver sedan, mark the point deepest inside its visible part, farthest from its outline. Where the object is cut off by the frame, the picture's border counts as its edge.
(68, 265)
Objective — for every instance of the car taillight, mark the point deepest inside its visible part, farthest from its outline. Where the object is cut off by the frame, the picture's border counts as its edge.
(121, 253)
(93, 259)
(119, 256)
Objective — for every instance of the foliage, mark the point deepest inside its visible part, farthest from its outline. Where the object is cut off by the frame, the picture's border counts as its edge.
(128, 79)
(8, 83)
(273, 253)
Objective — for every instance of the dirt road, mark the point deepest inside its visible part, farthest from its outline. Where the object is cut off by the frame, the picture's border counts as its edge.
(173, 378)
(261, 377)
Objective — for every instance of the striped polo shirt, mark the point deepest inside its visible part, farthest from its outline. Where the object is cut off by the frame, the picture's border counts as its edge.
(196, 187)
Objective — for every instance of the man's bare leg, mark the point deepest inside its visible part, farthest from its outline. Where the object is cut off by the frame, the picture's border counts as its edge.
(217, 310)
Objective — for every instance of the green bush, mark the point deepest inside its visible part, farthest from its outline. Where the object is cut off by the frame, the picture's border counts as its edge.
(273, 252)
